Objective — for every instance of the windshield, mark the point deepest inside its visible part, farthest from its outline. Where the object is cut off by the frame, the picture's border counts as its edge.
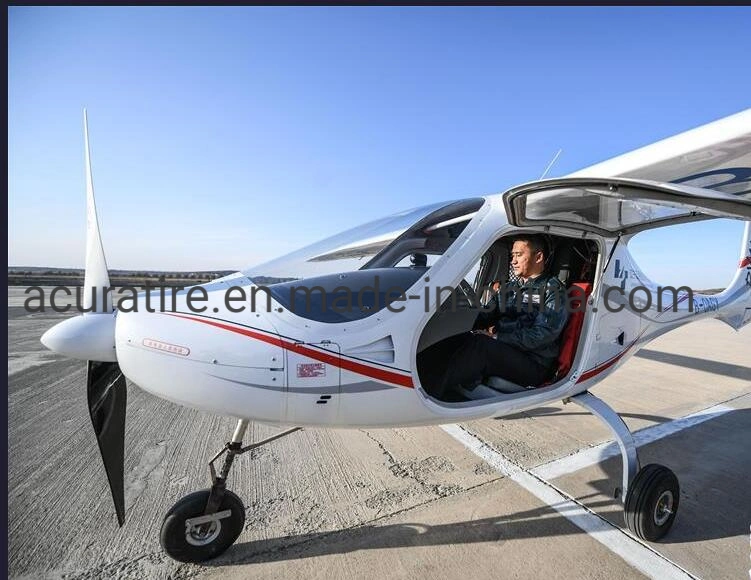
(381, 243)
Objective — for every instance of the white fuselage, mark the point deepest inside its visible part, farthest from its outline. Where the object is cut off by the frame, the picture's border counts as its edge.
(275, 366)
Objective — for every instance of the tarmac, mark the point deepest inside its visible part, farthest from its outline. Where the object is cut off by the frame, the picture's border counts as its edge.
(525, 496)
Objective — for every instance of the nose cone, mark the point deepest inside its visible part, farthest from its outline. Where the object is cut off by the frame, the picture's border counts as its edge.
(85, 337)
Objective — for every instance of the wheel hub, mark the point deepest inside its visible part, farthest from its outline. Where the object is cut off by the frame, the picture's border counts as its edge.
(202, 534)
(663, 507)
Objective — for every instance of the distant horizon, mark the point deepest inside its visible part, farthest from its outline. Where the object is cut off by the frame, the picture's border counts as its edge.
(111, 270)
(114, 272)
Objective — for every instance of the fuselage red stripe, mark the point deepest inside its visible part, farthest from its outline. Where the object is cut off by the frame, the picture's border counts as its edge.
(322, 356)
(586, 375)
(597, 370)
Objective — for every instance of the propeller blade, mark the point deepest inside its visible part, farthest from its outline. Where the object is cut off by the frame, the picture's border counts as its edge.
(96, 274)
(107, 394)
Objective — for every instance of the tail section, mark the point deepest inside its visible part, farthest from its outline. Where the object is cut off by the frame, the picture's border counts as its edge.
(735, 300)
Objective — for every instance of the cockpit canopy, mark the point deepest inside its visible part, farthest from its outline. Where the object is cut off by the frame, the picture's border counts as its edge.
(414, 237)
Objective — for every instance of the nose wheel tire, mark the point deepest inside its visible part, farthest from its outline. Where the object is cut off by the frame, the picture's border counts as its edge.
(652, 502)
(187, 542)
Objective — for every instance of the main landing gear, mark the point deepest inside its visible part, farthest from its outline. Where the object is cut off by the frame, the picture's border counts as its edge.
(204, 524)
(650, 495)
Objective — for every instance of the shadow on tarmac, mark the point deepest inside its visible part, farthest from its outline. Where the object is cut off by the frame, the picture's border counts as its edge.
(543, 411)
(529, 524)
(699, 364)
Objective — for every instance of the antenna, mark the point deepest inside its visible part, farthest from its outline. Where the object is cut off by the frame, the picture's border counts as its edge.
(544, 173)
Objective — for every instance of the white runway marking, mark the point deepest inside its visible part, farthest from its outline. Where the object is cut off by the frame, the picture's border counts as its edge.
(639, 555)
(598, 453)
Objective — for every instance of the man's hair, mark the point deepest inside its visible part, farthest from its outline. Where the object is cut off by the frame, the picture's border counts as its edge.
(536, 243)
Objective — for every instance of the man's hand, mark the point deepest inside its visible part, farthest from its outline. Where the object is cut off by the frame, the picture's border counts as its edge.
(486, 331)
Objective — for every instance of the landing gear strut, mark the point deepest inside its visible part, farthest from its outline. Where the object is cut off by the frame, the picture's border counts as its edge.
(204, 524)
(650, 495)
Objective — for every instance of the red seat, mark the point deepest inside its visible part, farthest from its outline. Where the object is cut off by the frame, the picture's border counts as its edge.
(577, 292)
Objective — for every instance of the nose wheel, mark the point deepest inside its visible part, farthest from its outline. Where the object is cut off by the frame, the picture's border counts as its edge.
(203, 524)
(188, 535)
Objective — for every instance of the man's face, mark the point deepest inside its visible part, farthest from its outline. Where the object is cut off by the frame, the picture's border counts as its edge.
(525, 262)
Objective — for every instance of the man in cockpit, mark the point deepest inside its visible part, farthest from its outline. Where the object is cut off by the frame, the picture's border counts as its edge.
(516, 339)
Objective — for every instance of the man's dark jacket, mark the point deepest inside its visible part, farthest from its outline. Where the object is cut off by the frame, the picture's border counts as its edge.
(530, 316)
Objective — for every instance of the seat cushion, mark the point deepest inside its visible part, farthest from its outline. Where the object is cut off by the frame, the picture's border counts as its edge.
(504, 386)
(491, 388)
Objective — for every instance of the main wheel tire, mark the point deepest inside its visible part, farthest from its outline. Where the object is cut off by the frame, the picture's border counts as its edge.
(652, 502)
(205, 541)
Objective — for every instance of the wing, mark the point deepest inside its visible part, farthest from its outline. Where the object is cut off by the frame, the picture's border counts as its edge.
(715, 156)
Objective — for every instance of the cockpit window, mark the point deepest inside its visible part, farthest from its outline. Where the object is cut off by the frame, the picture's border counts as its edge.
(382, 243)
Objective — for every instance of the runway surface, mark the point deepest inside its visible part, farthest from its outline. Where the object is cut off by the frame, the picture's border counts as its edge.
(522, 497)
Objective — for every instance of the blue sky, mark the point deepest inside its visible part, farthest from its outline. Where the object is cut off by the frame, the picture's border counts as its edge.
(222, 137)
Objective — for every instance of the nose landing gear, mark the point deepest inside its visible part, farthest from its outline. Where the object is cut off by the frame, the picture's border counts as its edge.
(203, 524)
(190, 535)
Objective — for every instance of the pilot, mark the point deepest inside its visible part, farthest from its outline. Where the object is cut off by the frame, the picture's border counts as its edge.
(515, 338)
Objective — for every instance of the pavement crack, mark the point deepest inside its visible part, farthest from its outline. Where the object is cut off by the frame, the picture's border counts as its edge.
(381, 446)
(418, 471)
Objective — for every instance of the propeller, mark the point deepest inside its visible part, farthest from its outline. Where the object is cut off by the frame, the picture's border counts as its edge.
(96, 277)
(91, 337)
(107, 396)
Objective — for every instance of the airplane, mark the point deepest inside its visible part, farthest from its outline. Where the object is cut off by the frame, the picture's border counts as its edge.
(297, 360)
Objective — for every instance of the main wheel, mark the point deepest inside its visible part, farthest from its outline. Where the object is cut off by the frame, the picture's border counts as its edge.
(652, 502)
(204, 541)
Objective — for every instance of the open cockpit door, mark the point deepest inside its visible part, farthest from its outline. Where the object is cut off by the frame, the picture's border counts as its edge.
(617, 206)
